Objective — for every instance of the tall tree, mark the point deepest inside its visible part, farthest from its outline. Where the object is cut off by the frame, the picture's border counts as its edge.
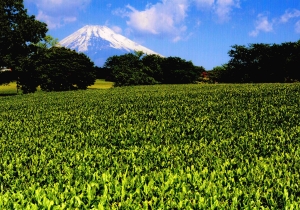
(264, 63)
(61, 69)
(29, 77)
(179, 71)
(293, 63)
(218, 74)
(128, 69)
(154, 64)
(18, 33)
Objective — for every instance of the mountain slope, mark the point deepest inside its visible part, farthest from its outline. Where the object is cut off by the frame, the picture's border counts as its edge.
(100, 42)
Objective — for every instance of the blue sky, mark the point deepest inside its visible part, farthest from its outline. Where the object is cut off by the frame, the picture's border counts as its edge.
(200, 31)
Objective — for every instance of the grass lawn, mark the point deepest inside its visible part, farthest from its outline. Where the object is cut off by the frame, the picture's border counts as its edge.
(101, 84)
(11, 88)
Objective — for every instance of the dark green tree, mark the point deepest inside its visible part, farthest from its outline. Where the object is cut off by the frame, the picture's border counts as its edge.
(18, 33)
(179, 71)
(141, 69)
(241, 65)
(61, 69)
(102, 73)
(128, 69)
(29, 78)
(6, 76)
(218, 74)
(154, 67)
(293, 63)
(47, 42)
(264, 63)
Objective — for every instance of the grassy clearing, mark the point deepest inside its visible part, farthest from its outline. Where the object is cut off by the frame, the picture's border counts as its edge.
(101, 84)
(11, 88)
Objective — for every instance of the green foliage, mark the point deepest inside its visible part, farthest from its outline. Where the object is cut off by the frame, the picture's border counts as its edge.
(102, 73)
(155, 147)
(154, 67)
(139, 69)
(179, 71)
(18, 32)
(56, 68)
(128, 70)
(61, 69)
(28, 79)
(264, 63)
(218, 74)
(47, 42)
(6, 77)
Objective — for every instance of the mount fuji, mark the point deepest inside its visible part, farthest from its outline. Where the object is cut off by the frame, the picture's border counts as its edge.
(100, 43)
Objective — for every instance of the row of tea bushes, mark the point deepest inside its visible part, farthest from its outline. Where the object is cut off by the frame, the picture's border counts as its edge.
(152, 147)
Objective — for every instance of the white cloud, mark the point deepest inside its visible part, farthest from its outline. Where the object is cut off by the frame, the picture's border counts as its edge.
(54, 22)
(262, 24)
(62, 5)
(289, 15)
(204, 3)
(297, 27)
(57, 13)
(164, 19)
(167, 18)
(223, 8)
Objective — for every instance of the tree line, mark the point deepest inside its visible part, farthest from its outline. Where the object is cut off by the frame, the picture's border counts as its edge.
(141, 69)
(260, 63)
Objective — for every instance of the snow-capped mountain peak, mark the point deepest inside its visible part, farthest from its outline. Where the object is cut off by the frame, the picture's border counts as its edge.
(101, 42)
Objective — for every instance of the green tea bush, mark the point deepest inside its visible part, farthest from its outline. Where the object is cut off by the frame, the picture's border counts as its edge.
(152, 147)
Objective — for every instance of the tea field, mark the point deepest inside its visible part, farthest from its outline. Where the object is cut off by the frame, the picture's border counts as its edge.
(152, 147)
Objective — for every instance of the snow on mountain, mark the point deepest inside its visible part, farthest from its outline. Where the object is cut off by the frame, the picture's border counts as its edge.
(100, 42)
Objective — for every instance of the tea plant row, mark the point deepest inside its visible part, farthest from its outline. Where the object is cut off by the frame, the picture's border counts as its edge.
(154, 147)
